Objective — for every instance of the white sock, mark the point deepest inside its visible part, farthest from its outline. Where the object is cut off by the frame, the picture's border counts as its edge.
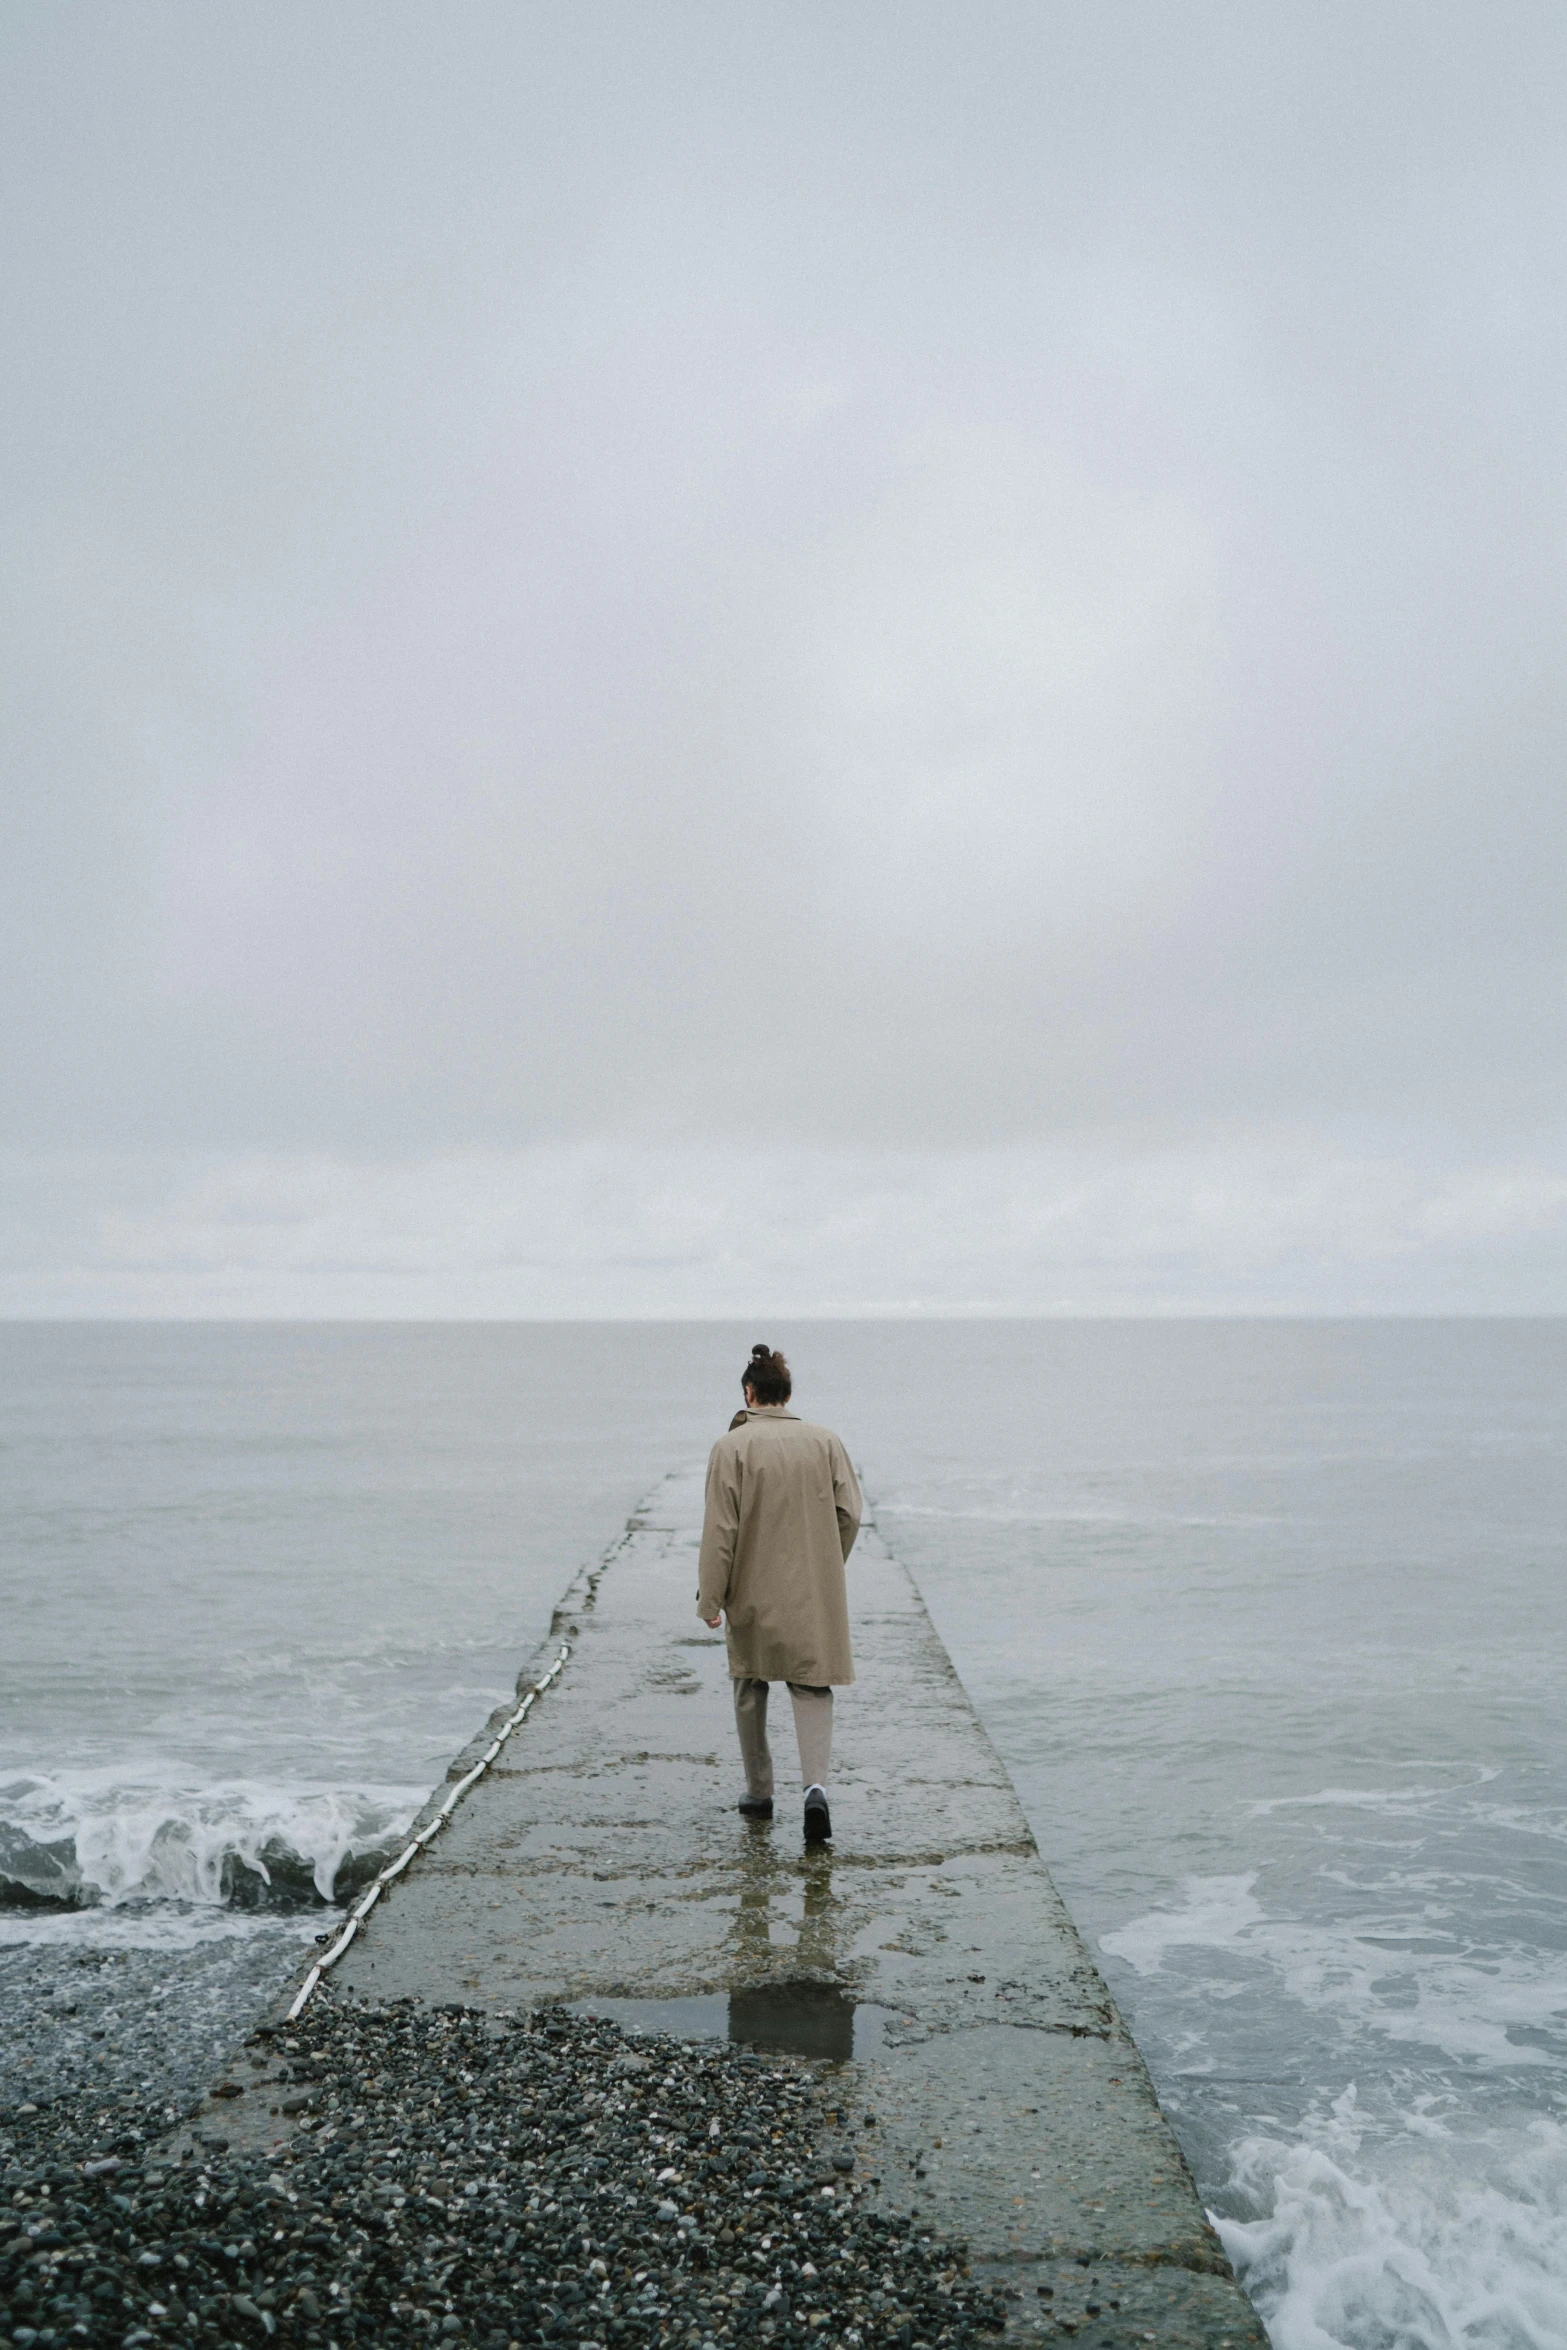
(817, 1789)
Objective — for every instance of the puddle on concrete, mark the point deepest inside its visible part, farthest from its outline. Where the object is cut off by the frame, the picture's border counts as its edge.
(801, 2019)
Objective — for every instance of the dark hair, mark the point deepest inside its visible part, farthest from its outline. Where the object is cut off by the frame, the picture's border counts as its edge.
(767, 1376)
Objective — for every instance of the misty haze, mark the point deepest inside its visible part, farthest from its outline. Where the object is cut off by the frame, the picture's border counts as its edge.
(841, 658)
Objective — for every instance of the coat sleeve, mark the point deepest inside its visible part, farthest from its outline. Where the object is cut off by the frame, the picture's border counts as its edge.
(846, 1495)
(720, 1531)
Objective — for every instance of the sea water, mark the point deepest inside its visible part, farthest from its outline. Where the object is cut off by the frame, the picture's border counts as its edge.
(1267, 1620)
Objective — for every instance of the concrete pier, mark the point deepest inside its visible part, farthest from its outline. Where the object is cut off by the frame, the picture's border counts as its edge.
(980, 2069)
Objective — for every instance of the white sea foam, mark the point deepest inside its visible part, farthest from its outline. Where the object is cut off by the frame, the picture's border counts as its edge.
(1219, 1912)
(150, 1925)
(1403, 2235)
(1374, 1799)
(104, 1840)
(1397, 1978)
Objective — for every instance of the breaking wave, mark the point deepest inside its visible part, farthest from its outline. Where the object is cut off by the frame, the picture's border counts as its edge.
(1415, 2236)
(105, 1840)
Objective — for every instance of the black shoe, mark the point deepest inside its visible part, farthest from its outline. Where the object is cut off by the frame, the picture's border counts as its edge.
(818, 1819)
(756, 1807)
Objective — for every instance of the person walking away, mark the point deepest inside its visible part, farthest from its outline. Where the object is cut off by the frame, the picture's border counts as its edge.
(783, 1508)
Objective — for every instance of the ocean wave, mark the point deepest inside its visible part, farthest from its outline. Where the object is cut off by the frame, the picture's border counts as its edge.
(1001, 1513)
(1385, 1975)
(107, 1839)
(1402, 2235)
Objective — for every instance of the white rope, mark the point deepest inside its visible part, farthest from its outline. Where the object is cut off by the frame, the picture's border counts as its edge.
(367, 1901)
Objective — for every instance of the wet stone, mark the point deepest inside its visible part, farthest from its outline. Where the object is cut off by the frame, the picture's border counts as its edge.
(148, 2028)
(484, 2182)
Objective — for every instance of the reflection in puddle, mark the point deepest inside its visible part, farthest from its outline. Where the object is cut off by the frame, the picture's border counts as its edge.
(808, 2019)
(802, 2019)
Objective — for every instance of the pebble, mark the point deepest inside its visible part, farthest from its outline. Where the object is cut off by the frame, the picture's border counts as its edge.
(492, 2183)
(105, 2027)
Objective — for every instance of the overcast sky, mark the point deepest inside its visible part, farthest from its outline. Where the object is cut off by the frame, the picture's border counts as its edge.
(835, 657)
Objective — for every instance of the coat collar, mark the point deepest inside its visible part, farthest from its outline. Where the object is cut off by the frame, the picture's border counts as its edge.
(769, 1411)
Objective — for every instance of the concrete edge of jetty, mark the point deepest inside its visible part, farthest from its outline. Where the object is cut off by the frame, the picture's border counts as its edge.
(981, 2072)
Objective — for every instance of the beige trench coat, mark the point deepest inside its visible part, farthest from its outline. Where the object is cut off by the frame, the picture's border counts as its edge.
(783, 1508)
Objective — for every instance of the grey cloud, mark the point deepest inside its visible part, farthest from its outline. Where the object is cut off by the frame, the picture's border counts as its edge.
(891, 577)
(1274, 1224)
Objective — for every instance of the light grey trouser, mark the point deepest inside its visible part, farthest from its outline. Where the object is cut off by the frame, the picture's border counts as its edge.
(812, 1727)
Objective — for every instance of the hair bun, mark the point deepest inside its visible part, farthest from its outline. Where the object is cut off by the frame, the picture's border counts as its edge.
(765, 1379)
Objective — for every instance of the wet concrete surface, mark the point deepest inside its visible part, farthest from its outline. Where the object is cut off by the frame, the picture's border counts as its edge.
(991, 2086)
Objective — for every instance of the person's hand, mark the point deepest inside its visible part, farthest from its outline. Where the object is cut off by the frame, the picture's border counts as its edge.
(712, 1622)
